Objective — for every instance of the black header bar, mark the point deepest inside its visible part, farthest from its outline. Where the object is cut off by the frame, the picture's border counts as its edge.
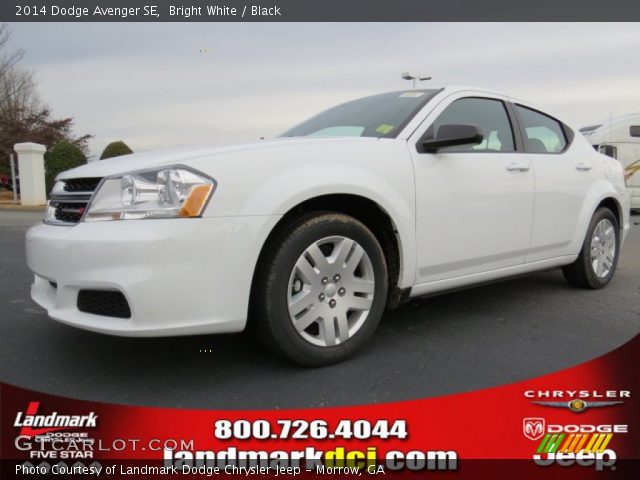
(319, 11)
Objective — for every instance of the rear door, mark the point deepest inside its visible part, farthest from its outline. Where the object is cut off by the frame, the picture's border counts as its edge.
(562, 179)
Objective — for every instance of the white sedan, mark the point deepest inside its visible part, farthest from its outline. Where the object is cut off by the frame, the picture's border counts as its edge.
(308, 237)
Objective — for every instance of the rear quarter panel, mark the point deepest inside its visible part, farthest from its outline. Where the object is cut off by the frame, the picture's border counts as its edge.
(609, 183)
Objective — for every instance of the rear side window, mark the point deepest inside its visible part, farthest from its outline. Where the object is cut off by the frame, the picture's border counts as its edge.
(634, 130)
(489, 115)
(542, 134)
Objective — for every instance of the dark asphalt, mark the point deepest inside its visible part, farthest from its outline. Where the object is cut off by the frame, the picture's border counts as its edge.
(458, 342)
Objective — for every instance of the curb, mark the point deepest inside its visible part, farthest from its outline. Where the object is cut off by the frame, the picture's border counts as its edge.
(21, 208)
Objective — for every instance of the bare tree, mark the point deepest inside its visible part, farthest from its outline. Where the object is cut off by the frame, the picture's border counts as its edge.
(7, 60)
(18, 95)
(23, 117)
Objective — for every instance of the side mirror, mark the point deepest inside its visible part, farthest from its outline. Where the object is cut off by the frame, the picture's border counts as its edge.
(451, 135)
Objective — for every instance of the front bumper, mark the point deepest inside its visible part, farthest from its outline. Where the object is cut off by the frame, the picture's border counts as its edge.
(179, 276)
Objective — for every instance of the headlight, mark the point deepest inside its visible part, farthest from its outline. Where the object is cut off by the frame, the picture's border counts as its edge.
(167, 193)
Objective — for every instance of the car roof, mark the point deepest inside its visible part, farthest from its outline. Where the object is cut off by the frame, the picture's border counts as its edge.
(449, 89)
(475, 88)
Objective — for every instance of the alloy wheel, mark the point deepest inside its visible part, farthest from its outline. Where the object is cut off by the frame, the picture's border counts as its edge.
(330, 292)
(603, 248)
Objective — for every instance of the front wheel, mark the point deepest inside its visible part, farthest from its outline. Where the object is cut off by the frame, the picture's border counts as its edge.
(321, 289)
(598, 258)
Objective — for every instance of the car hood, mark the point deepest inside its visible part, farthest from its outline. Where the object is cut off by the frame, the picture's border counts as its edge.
(181, 155)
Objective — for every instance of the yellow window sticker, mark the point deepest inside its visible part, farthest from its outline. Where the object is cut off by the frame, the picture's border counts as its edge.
(384, 128)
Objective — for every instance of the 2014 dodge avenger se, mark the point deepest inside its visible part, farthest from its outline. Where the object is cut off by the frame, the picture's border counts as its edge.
(310, 236)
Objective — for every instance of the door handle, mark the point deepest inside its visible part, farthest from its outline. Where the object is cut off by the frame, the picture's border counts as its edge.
(583, 167)
(516, 166)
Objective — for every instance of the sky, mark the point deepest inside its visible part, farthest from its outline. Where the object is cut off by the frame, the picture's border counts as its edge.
(167, 84)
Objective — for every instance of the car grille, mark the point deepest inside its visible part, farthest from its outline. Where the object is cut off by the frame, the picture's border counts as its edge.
(69, 212)
(81, 184)
(70, 201)
(108, 303)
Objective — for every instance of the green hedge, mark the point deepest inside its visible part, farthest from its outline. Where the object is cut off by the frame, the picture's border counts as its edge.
(115, 149)
(63, 156)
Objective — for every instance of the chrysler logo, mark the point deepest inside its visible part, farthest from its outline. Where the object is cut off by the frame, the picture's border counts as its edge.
(577, 405)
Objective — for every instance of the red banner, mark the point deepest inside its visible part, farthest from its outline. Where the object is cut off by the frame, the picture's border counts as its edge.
(581, 422)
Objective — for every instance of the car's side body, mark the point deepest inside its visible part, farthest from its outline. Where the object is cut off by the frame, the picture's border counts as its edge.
(456, 218)
(506, 222)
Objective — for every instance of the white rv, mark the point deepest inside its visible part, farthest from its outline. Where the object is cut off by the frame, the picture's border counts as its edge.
(619, 137)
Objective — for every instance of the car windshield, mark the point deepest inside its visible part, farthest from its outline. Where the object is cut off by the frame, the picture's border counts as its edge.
(383, 115)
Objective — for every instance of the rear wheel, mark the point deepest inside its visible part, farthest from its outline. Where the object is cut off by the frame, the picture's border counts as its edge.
(598, 258)
(321, 289)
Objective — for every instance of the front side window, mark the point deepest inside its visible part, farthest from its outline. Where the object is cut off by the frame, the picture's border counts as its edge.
(490, 116)
(634, 130)
(543, 134)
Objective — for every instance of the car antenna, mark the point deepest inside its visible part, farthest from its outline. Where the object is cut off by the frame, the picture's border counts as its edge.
(414, 78)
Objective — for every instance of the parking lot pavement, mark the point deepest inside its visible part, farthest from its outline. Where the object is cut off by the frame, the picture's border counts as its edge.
(457, 342)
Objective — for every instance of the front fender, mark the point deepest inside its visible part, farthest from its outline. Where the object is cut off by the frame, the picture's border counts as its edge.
(273, 185)
(284, 191)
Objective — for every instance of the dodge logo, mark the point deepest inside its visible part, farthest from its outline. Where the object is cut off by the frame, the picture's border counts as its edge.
(533, 428)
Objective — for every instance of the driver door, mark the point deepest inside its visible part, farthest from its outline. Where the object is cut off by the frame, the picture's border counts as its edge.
(474, 203)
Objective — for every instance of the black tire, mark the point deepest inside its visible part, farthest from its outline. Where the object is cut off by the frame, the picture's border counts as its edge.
(269, 314)
(581, 273)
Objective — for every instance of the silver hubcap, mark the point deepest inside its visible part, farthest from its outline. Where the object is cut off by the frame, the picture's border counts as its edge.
(603, 248)
(331, 291)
